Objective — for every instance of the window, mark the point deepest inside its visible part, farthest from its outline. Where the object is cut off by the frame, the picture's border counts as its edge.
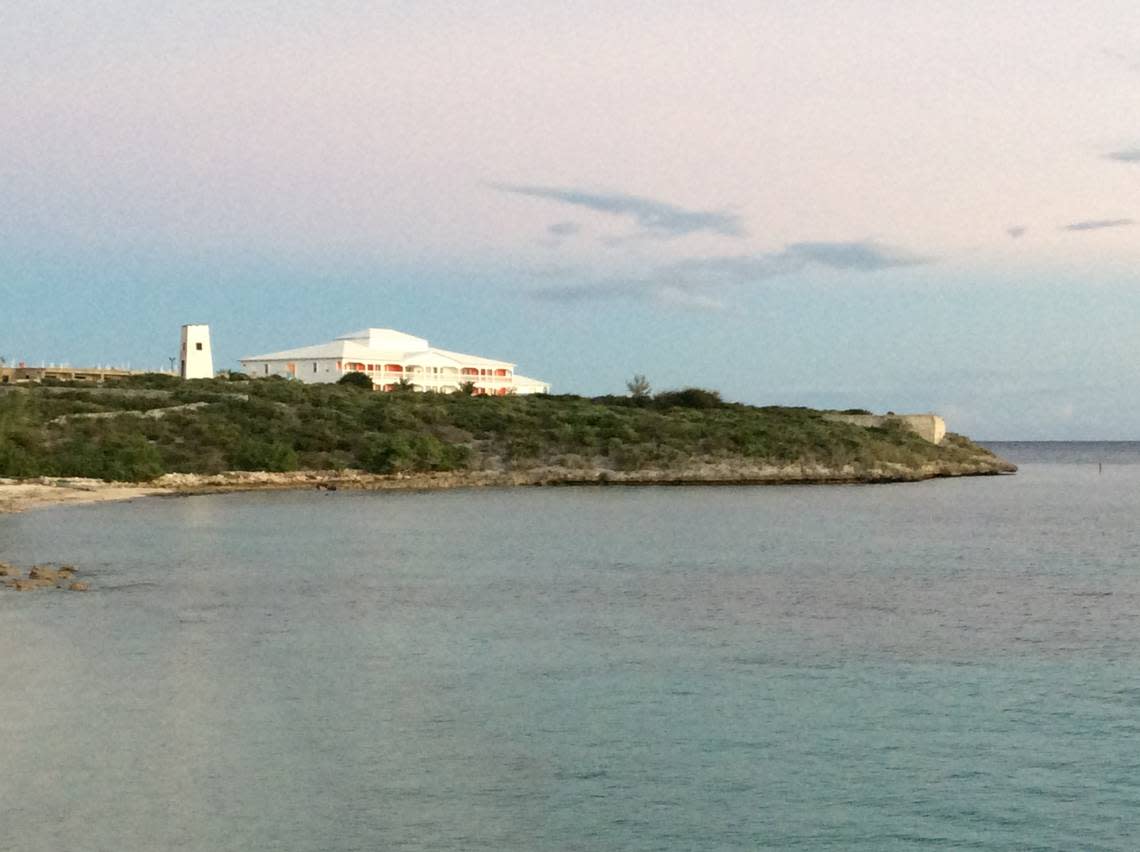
(198, 346)
(267, 369)
(314, 366)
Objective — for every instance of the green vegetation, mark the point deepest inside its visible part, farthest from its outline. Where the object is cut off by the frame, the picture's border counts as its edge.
(149, 425)
(356, 380)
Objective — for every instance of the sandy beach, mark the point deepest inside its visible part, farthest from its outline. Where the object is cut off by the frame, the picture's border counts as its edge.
(18, 495)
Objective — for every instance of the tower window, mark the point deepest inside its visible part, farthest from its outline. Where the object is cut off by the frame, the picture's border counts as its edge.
(198, 346)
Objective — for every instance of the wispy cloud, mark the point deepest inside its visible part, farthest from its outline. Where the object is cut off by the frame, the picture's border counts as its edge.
(862, 256)
(632, 289)
(558, 233)
(1016, 231)
(686, 298)
(865, 256)
(654, 218)
(563, 229)
(1124, 155)
(702, 282)
(593, 290)
(1097, 224)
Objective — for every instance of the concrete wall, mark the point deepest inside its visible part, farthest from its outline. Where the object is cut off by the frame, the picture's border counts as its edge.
(20, 375)
(928, 426)
(310, 371)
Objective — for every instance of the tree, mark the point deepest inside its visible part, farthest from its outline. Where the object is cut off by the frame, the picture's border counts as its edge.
(638, 387)
(356, 379)
(467, 388)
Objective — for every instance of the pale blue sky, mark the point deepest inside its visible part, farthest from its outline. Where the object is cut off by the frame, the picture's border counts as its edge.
(929, 207)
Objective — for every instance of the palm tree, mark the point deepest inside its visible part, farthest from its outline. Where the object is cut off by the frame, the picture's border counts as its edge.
(638, 387)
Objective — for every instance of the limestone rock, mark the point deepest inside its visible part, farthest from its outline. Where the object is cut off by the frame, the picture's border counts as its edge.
(79, 586)
(27, 585)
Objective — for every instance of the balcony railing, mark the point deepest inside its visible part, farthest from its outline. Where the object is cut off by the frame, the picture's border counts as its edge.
(445, 378)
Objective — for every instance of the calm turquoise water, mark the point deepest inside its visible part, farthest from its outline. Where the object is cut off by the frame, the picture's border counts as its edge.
(952, 664)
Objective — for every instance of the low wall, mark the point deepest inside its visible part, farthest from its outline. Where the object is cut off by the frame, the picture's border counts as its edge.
(22, 375)
(928, 426)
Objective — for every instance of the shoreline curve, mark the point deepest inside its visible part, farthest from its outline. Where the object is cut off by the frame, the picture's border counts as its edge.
(45, 492)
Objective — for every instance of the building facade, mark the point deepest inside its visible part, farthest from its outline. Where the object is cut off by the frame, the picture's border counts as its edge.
(390, 358)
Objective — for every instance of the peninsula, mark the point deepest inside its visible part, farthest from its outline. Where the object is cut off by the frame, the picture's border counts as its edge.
(162, 434)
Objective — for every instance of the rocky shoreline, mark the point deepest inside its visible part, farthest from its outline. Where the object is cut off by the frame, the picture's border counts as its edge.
(41, 577)
(710, 473)
(18, 495)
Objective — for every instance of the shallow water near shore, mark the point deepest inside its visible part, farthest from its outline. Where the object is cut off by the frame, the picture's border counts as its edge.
(951, 663)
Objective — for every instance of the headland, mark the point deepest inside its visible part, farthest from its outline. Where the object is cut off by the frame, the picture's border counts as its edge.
(160, 435)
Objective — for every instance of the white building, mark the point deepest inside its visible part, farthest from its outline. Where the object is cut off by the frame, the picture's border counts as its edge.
(197, 361)
(388, 357)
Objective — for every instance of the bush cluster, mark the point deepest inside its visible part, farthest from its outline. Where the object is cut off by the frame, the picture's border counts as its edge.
(278, 425)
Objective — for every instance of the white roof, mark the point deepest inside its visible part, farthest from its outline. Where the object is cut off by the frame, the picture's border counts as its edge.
(433, 358)
(473, 359)
(381, 344)
(386, 338)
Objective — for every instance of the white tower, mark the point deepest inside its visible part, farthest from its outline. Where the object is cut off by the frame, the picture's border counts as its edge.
(197, 360)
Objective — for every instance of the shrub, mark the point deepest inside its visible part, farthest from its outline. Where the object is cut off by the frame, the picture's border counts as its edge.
(386, 454)
(356, 379)
(689, 398)
(113, 457)
(255, 454)
(157, 381)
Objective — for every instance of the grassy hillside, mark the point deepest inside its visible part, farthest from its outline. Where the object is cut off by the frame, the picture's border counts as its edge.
(151, 425)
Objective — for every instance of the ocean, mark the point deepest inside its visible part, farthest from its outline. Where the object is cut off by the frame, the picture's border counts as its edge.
(950, 664)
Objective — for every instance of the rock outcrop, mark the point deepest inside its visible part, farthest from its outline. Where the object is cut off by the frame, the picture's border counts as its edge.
(42, 577)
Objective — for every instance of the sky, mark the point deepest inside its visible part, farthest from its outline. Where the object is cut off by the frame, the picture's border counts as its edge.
(913, 207)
